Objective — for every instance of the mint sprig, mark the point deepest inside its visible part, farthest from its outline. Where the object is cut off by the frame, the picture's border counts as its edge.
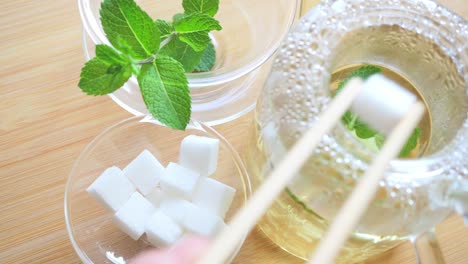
(157, 52)
(359, 127)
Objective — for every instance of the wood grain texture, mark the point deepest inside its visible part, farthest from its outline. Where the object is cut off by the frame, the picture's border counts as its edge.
(45, 122)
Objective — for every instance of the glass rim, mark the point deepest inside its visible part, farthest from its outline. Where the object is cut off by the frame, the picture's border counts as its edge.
(196, 80)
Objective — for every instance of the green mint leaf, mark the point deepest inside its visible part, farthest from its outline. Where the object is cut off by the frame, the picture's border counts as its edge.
(409, 146)
(105, 73)
(165, 91)
(183, 53)
(298, 200)
(208, 59)
(193, 29)
(165, 28)
(178, 17)
(126, 50)
(109, 54)
(209, 7)
(364, 72)
(411, 143)
(379, 140)
(363, 130)
(348, 120)
(124, 21)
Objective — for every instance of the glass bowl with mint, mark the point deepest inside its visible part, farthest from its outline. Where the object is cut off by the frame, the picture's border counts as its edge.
(219, 46)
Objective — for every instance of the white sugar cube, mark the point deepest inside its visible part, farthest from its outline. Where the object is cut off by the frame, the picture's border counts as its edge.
(200, 221)
(176, 209)
(111, 188)
(156, 196)
(382, 103)
(178, 181)
(214, 196)
(132, 217)
(144, 171)
(161, 230)
(199, 154)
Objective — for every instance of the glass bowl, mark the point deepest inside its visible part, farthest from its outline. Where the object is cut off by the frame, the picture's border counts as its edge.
(93, 235)
(252, 32)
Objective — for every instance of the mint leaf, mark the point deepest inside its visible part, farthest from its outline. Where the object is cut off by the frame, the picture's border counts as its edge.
(379, 140)
(209, 7)
(208, 59)
(110, 55)
(165, 28)
(193, 29)
(298, 200)
(411, 143)
(409, 146)
(125, 21)
(178, 17)
(183, 53)
(363, 130)
(165, 91)
(349, 120)
(105, 73)
(364, 72)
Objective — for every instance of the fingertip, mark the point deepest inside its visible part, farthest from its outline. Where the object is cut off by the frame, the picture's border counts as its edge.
(186, 251)
(190, 248)
(152, 256)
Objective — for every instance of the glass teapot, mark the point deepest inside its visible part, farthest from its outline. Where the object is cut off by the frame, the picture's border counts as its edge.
(417, 43)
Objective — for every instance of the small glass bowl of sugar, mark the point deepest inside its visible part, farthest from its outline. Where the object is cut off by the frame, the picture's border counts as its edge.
(139, 175)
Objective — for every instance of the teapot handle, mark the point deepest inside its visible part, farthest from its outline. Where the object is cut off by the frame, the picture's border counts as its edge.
(428, 249)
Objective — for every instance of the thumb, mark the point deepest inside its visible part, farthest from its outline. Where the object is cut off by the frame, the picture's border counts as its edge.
(188, 250)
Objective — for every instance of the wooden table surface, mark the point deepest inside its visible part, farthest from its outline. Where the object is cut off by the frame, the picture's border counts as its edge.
(46, 121)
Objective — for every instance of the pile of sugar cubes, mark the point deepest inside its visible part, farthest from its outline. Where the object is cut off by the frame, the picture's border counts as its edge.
(167, 203)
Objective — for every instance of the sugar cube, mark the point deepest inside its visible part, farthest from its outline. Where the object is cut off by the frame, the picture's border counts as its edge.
(178, 181)
(214, 196)
(133, 215)
(111, 188)
(156, 196)
(201, 221)
(199, 154)
(144, 171)
(176, 209)
(382, 103)
(161, 230)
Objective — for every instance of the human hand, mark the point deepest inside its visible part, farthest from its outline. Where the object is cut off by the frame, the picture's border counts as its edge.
(187, 251)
